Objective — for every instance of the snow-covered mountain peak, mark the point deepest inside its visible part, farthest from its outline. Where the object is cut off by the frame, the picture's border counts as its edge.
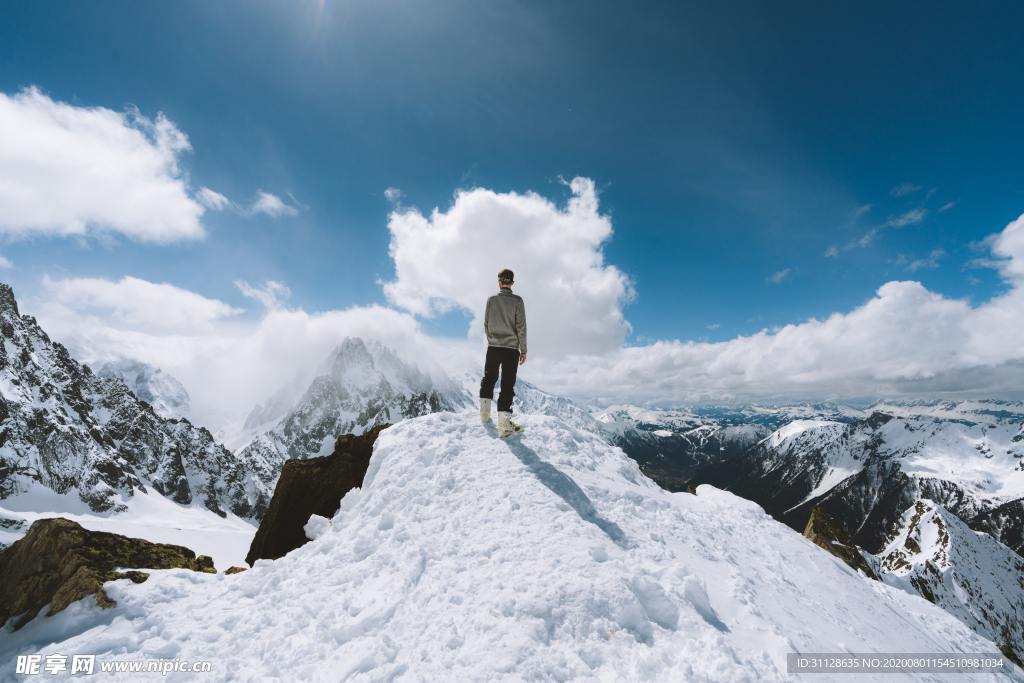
(821, 430)
(357, 366)
(74, 432)
(161, 390)
(360, 384)
(986, 412)
(923, 538)
(966, 572)
(546, 556)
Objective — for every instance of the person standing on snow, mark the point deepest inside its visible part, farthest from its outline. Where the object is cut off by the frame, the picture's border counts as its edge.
(505, 327)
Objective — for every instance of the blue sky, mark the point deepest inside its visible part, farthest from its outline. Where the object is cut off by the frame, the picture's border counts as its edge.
(728, 143)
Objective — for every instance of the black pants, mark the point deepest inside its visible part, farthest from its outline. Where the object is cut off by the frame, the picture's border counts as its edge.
(508, 361)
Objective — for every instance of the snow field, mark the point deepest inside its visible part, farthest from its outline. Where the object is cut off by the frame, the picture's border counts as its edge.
(546, 556)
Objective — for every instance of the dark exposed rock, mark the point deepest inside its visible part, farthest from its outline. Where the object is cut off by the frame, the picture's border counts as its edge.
(58, 562)
(235, 570)
(313, 486)
(877, 419)
(825, 532)
(1004, 523)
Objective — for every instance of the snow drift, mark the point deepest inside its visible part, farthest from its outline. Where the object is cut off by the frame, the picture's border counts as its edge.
(545, 556)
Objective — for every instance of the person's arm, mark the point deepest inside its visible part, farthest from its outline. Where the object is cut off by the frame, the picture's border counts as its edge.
(487, 320)
(521, 330)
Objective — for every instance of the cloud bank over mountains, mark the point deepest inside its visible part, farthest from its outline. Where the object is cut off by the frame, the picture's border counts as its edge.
(121, 173)
(905, 339)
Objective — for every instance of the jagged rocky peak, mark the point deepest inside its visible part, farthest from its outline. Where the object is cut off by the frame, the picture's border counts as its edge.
(969, 574)
(161, 390)
(360, 385)
(66, 429)
(358, 365)
(7, 301)
(923, 538)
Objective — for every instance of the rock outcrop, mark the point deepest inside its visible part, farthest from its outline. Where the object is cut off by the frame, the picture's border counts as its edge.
(826, 533)
(313, 486)
(58, 562)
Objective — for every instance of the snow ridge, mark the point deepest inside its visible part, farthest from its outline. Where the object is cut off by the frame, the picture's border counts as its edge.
(545, 556)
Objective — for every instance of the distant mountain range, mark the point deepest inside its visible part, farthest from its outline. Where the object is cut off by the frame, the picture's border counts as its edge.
(864, 467)
(931, 491)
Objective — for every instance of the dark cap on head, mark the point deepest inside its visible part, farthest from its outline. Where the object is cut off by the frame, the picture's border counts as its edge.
(506, 276)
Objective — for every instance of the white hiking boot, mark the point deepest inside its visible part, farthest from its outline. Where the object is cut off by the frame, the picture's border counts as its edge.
(506, 427)
(485, 409)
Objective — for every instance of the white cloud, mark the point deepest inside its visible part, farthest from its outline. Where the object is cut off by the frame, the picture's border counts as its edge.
(5, 262)
(139, 304)
(779, 276)
(862, 242)
(904, 189)
(271, 205)
(272, 294)
(393, 194)
(928, 262)
(450, 260)
(947, 206)
(71, 170)
(265, 203)
(904, 340)
(227, 364)
(212, 199)
(911, 217)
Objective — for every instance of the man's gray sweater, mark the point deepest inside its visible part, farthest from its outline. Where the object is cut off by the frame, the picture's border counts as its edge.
(505, 321)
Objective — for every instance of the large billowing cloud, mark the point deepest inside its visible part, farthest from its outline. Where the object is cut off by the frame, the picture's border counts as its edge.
(450, 260)
(904, 340)
(71, 170)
